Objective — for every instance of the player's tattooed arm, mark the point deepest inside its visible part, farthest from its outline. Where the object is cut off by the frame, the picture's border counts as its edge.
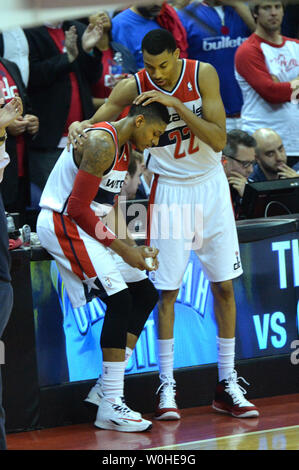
(98, 153)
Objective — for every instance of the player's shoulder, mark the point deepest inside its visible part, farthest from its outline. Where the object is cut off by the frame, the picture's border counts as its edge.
(206, 71)
(126, 87)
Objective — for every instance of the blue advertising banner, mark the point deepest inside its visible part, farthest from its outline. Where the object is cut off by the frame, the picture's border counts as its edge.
(68, 340)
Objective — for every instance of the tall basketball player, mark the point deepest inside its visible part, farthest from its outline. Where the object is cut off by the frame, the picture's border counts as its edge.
(188, 173)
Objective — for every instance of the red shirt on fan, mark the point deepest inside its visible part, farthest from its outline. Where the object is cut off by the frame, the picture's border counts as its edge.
(10, 90)
(75, 110)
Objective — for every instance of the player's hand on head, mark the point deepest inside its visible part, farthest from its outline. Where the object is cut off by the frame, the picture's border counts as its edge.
(150, 96)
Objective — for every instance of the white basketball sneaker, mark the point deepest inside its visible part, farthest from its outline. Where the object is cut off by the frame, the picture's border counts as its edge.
(114, 414)
(167, 408)
(95, 394)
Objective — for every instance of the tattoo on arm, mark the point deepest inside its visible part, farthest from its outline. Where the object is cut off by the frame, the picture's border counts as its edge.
(98, 153)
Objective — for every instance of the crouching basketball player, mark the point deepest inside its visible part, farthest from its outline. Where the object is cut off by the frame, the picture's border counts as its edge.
(92, 260)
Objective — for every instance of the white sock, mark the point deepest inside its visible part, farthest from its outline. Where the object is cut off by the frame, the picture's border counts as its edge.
(226, 357)
(113, 379)
(128, 354)
(166, 357)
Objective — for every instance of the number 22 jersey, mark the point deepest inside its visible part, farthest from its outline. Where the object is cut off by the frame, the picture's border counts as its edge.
(179, 153)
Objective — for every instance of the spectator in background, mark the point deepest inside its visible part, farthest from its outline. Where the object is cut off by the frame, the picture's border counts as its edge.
(267, 69)
(14, 47)
(131, 25)
(63, 65)
(8, 114)
(271, 157)
(108, 48)
(215, 29)
(238, 158)
(132, 179)
(144, 187)
(20, 132)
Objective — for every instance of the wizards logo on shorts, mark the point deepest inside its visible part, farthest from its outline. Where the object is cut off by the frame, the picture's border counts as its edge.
(237, 264)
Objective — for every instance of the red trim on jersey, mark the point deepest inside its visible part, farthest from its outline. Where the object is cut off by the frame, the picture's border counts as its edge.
(84, 191)
(250, 64)
(150, 208)
(73, 246)
(186, 88)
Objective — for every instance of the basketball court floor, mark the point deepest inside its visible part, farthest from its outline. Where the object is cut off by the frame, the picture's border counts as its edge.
(202, 428)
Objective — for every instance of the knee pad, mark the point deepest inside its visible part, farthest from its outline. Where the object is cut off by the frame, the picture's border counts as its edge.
(115, 326)
(144, 298)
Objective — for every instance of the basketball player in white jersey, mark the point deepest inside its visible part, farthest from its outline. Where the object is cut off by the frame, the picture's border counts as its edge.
(76, 206)
(189, 174)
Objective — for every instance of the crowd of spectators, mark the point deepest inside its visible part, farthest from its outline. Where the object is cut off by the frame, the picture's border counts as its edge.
(64, 71)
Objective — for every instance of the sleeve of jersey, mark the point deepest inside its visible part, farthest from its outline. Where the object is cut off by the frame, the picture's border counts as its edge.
(84, 191)
(250, 64)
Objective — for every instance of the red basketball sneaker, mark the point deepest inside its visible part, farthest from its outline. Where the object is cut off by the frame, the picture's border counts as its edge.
(229, 398)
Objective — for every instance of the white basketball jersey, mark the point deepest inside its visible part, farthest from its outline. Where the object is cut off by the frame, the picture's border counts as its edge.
(180, 154)
(61, 180)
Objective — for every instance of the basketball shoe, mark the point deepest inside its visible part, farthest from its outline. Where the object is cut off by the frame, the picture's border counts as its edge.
(95, 394)
(229, 398)
(167, 408)
(114, 414)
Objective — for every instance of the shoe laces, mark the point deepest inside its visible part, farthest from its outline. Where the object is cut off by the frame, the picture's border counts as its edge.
(235, 390)
(167, 392)
(122, 408)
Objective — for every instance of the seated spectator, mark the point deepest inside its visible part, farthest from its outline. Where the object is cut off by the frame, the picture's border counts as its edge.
(132, 179)
(215, 29)
(267, 69)
(271, 157)
(144, 187)
(63, 65)
(15, 187)
(108, 48)
(131, 25)
(238, 158)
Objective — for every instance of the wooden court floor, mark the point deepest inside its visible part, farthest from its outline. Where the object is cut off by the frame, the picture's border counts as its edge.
(277, 428)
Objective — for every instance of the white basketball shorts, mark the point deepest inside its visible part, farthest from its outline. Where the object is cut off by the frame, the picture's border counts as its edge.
(193, 215)
(88, 269)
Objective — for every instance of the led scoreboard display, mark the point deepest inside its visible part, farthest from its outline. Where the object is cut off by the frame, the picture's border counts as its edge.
(68, 340)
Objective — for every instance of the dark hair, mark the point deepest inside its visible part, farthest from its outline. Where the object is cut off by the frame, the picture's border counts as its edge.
(135, 157)
(255, 5)
(152, 112)
(157, 41)
(237, 137)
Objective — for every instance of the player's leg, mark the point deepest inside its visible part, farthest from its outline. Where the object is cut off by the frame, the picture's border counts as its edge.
(220, 260)
(93, 272)
(167, 234)
(143, 298)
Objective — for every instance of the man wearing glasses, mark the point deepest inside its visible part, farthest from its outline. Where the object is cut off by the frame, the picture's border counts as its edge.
(238, 158)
